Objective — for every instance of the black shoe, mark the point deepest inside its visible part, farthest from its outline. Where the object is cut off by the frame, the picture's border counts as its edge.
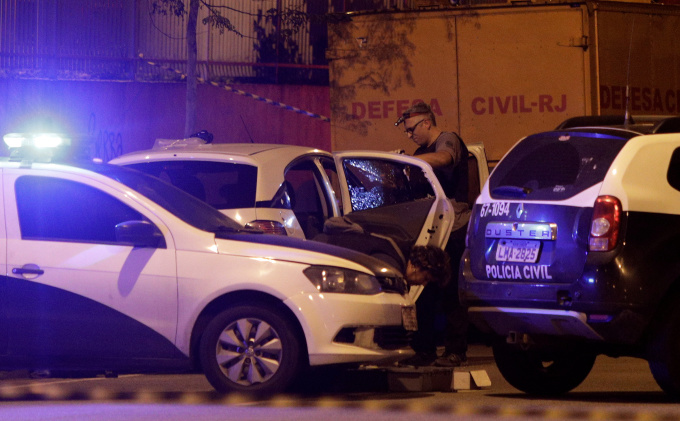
(451, 360)
(421, 359)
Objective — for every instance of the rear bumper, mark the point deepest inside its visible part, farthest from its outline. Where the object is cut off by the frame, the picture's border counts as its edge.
(591, 308)
(505, 321)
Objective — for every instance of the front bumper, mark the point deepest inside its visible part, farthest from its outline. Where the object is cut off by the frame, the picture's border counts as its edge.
(347, 328)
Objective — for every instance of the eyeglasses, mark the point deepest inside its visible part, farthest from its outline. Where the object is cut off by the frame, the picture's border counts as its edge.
(410, 130)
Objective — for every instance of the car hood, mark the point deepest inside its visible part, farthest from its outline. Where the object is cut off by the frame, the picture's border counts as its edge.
(309, 252)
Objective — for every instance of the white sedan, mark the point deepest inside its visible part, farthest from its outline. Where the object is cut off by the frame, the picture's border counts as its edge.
(106, 268)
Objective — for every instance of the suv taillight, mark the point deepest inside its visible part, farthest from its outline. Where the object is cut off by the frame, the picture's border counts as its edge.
(269, 227)
(604, 228)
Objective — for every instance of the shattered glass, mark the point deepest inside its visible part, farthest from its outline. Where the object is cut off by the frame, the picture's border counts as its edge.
(375, 183)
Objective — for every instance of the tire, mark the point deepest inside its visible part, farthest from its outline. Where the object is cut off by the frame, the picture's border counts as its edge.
(543, 373)
(250, 349)
(664, 355)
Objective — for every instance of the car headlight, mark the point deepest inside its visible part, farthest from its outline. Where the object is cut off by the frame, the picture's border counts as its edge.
(332, 279)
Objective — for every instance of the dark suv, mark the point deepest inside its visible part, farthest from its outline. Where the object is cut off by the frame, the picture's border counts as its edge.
(573, 250)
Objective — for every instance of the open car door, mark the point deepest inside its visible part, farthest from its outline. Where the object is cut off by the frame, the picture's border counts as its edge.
(396, 196)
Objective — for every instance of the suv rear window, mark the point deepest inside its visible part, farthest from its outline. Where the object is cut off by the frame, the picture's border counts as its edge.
(555, 165)
(222, 185)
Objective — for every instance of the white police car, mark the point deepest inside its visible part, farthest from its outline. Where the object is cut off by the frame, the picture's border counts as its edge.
(572, 252)
(107, 268)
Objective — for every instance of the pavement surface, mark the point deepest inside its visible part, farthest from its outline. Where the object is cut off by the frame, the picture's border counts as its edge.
(325, 380)
(377, 379)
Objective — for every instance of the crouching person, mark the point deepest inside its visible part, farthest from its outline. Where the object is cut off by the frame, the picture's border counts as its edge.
(428, 266)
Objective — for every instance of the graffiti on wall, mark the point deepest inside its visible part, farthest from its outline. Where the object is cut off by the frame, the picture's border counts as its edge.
(104, 144)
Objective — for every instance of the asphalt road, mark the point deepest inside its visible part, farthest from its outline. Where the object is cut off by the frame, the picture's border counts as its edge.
(617, 389)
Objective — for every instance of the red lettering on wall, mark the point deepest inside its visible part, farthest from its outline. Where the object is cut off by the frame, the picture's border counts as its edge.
(388, 106)
(635, 99)
(478, 106)
(402, 105)
(503, 105)
(617, 98)
(645, 99)
(522, 107)
(515, 104)
(605, 97)
(658, 105)
(545, 103)
(670, 101)
(375, 110)
(358, 110)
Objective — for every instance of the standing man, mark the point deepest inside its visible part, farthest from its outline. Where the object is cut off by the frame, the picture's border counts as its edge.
(448, 156)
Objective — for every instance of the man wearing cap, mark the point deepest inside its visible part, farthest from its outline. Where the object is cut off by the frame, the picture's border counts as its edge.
(448, 155)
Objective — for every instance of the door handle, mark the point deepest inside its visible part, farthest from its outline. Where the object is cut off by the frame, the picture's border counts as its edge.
(27, 271)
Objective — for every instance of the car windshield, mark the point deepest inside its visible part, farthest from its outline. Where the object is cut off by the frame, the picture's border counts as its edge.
(556, 165)
(183, 205)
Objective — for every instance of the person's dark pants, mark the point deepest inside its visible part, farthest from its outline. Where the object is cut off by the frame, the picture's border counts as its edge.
(456, 331)
(424, 340)
(435, 301)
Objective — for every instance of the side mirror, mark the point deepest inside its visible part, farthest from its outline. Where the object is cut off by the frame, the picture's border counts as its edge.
(140, 234)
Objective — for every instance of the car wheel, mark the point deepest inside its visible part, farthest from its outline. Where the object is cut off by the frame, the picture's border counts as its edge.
(664, 360)
(250, 349)
(542, 373)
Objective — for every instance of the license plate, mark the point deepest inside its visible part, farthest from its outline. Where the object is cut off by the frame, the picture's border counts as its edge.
(408, 318)
(524, 251)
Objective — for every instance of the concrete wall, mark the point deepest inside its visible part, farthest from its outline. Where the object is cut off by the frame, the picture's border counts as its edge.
(109, 118)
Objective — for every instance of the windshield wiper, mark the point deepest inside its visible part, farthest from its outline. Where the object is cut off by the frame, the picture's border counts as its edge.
(512, 192)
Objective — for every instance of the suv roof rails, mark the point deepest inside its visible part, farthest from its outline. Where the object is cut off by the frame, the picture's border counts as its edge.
(644, 124)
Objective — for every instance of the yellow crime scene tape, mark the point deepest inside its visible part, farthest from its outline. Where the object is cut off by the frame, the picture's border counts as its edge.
(389, 403)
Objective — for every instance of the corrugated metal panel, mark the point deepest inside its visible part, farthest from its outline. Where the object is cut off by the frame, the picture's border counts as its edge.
(225, 56)
(101, 39)
(161, 38)
(18, 34)
(65, 38)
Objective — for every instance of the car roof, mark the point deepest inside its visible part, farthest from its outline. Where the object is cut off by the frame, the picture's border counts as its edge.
(270, 159)
(642, 124)
(255, 153)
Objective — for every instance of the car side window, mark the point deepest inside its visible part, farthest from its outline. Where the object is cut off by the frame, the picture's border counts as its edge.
(55, 209)
(374, 183)
(307, 197)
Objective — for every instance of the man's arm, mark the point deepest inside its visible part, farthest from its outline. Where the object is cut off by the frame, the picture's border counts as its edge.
(437, 159)
(448, 152)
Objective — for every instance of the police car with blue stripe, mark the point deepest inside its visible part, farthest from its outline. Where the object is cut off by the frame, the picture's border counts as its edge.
(572, 251)
(107, 269)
